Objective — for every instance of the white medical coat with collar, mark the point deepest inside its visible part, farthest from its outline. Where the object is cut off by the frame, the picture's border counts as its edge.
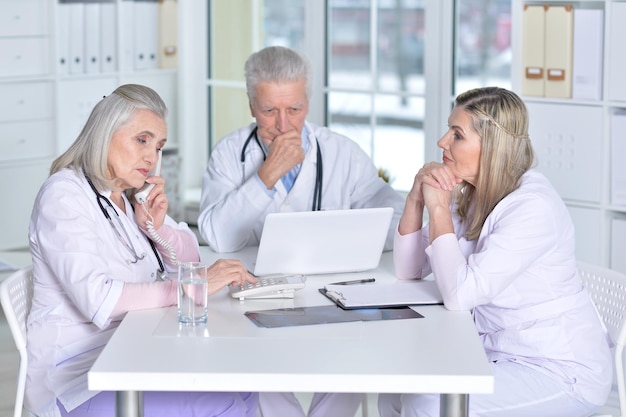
(80, 267)
(233, 205)
(519, 279)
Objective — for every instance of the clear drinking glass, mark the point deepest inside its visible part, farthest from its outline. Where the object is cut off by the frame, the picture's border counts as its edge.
(192, 293)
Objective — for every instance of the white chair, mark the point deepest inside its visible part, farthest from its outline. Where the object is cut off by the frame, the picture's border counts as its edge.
(608, 291)
(16, 294)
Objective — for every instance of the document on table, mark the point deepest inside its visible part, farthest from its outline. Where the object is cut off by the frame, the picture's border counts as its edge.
(301, 316)
(399, 293)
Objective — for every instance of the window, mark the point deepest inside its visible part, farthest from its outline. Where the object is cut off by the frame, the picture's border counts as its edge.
(483, 44)
(386, 71)
(375, 90)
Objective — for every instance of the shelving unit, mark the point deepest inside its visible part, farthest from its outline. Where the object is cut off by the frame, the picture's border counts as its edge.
(573, 138)
(44, 103)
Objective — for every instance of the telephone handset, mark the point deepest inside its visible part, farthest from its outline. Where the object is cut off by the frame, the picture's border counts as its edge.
(142, 194)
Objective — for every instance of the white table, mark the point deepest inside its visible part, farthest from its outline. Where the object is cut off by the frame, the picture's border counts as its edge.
(150, 351)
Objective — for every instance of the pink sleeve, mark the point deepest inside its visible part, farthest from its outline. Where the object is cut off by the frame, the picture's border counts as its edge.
(409, 256)
(143, 295)
(447, 261)
(184, 244)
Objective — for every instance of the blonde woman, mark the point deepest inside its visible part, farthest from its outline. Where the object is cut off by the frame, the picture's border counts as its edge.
(500, 243)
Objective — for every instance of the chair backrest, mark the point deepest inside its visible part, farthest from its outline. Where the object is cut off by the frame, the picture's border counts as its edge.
(16, 294)
(608, 292)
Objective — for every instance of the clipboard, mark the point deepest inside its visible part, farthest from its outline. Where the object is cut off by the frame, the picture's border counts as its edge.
(396, 294)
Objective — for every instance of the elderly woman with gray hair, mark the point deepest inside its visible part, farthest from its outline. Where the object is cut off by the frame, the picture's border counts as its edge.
(94, 260)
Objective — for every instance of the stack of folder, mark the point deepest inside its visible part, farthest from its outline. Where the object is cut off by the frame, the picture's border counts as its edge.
(562, 52)
(88, 38)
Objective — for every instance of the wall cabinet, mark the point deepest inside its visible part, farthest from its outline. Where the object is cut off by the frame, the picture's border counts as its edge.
(574, 137)
(58, 58)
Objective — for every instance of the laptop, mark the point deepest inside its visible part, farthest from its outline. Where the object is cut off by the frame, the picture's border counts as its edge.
(322, 242)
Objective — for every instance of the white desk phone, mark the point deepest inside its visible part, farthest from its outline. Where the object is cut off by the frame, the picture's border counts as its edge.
(267, 287)
(276, 286)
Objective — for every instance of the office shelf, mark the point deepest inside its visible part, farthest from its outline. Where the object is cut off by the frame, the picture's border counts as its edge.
(44, 102)
(573, 137)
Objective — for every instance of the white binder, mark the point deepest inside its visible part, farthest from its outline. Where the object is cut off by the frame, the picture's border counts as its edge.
(127, 33)
(108, 37)
(146, 34)
(92, 37)
(588, 47)
(77, 37)
(63, 39)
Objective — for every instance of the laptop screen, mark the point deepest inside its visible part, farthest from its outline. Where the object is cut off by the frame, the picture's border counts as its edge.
(322, 242)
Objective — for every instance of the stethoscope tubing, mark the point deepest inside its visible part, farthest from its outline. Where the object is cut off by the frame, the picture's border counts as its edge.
(107, 216)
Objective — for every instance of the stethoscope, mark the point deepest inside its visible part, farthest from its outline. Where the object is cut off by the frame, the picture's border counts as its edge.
(319, 174)
(127, 243)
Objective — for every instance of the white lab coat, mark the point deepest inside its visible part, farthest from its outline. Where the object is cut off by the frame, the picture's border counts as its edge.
(519, 278)
(80, 267)
(234, 205)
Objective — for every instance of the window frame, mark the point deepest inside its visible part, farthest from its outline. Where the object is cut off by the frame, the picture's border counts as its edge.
(195, 128)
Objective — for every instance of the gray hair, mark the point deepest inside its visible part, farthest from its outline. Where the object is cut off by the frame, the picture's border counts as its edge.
(276, 64)
(90, 150)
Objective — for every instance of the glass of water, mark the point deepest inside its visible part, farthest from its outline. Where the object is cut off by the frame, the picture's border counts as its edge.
(192, 293)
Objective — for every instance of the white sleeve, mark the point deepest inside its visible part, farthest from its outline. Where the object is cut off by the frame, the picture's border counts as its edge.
(516, 234)
(229, 209)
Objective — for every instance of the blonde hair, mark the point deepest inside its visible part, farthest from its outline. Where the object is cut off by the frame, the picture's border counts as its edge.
(500, 118)
(90, 150)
